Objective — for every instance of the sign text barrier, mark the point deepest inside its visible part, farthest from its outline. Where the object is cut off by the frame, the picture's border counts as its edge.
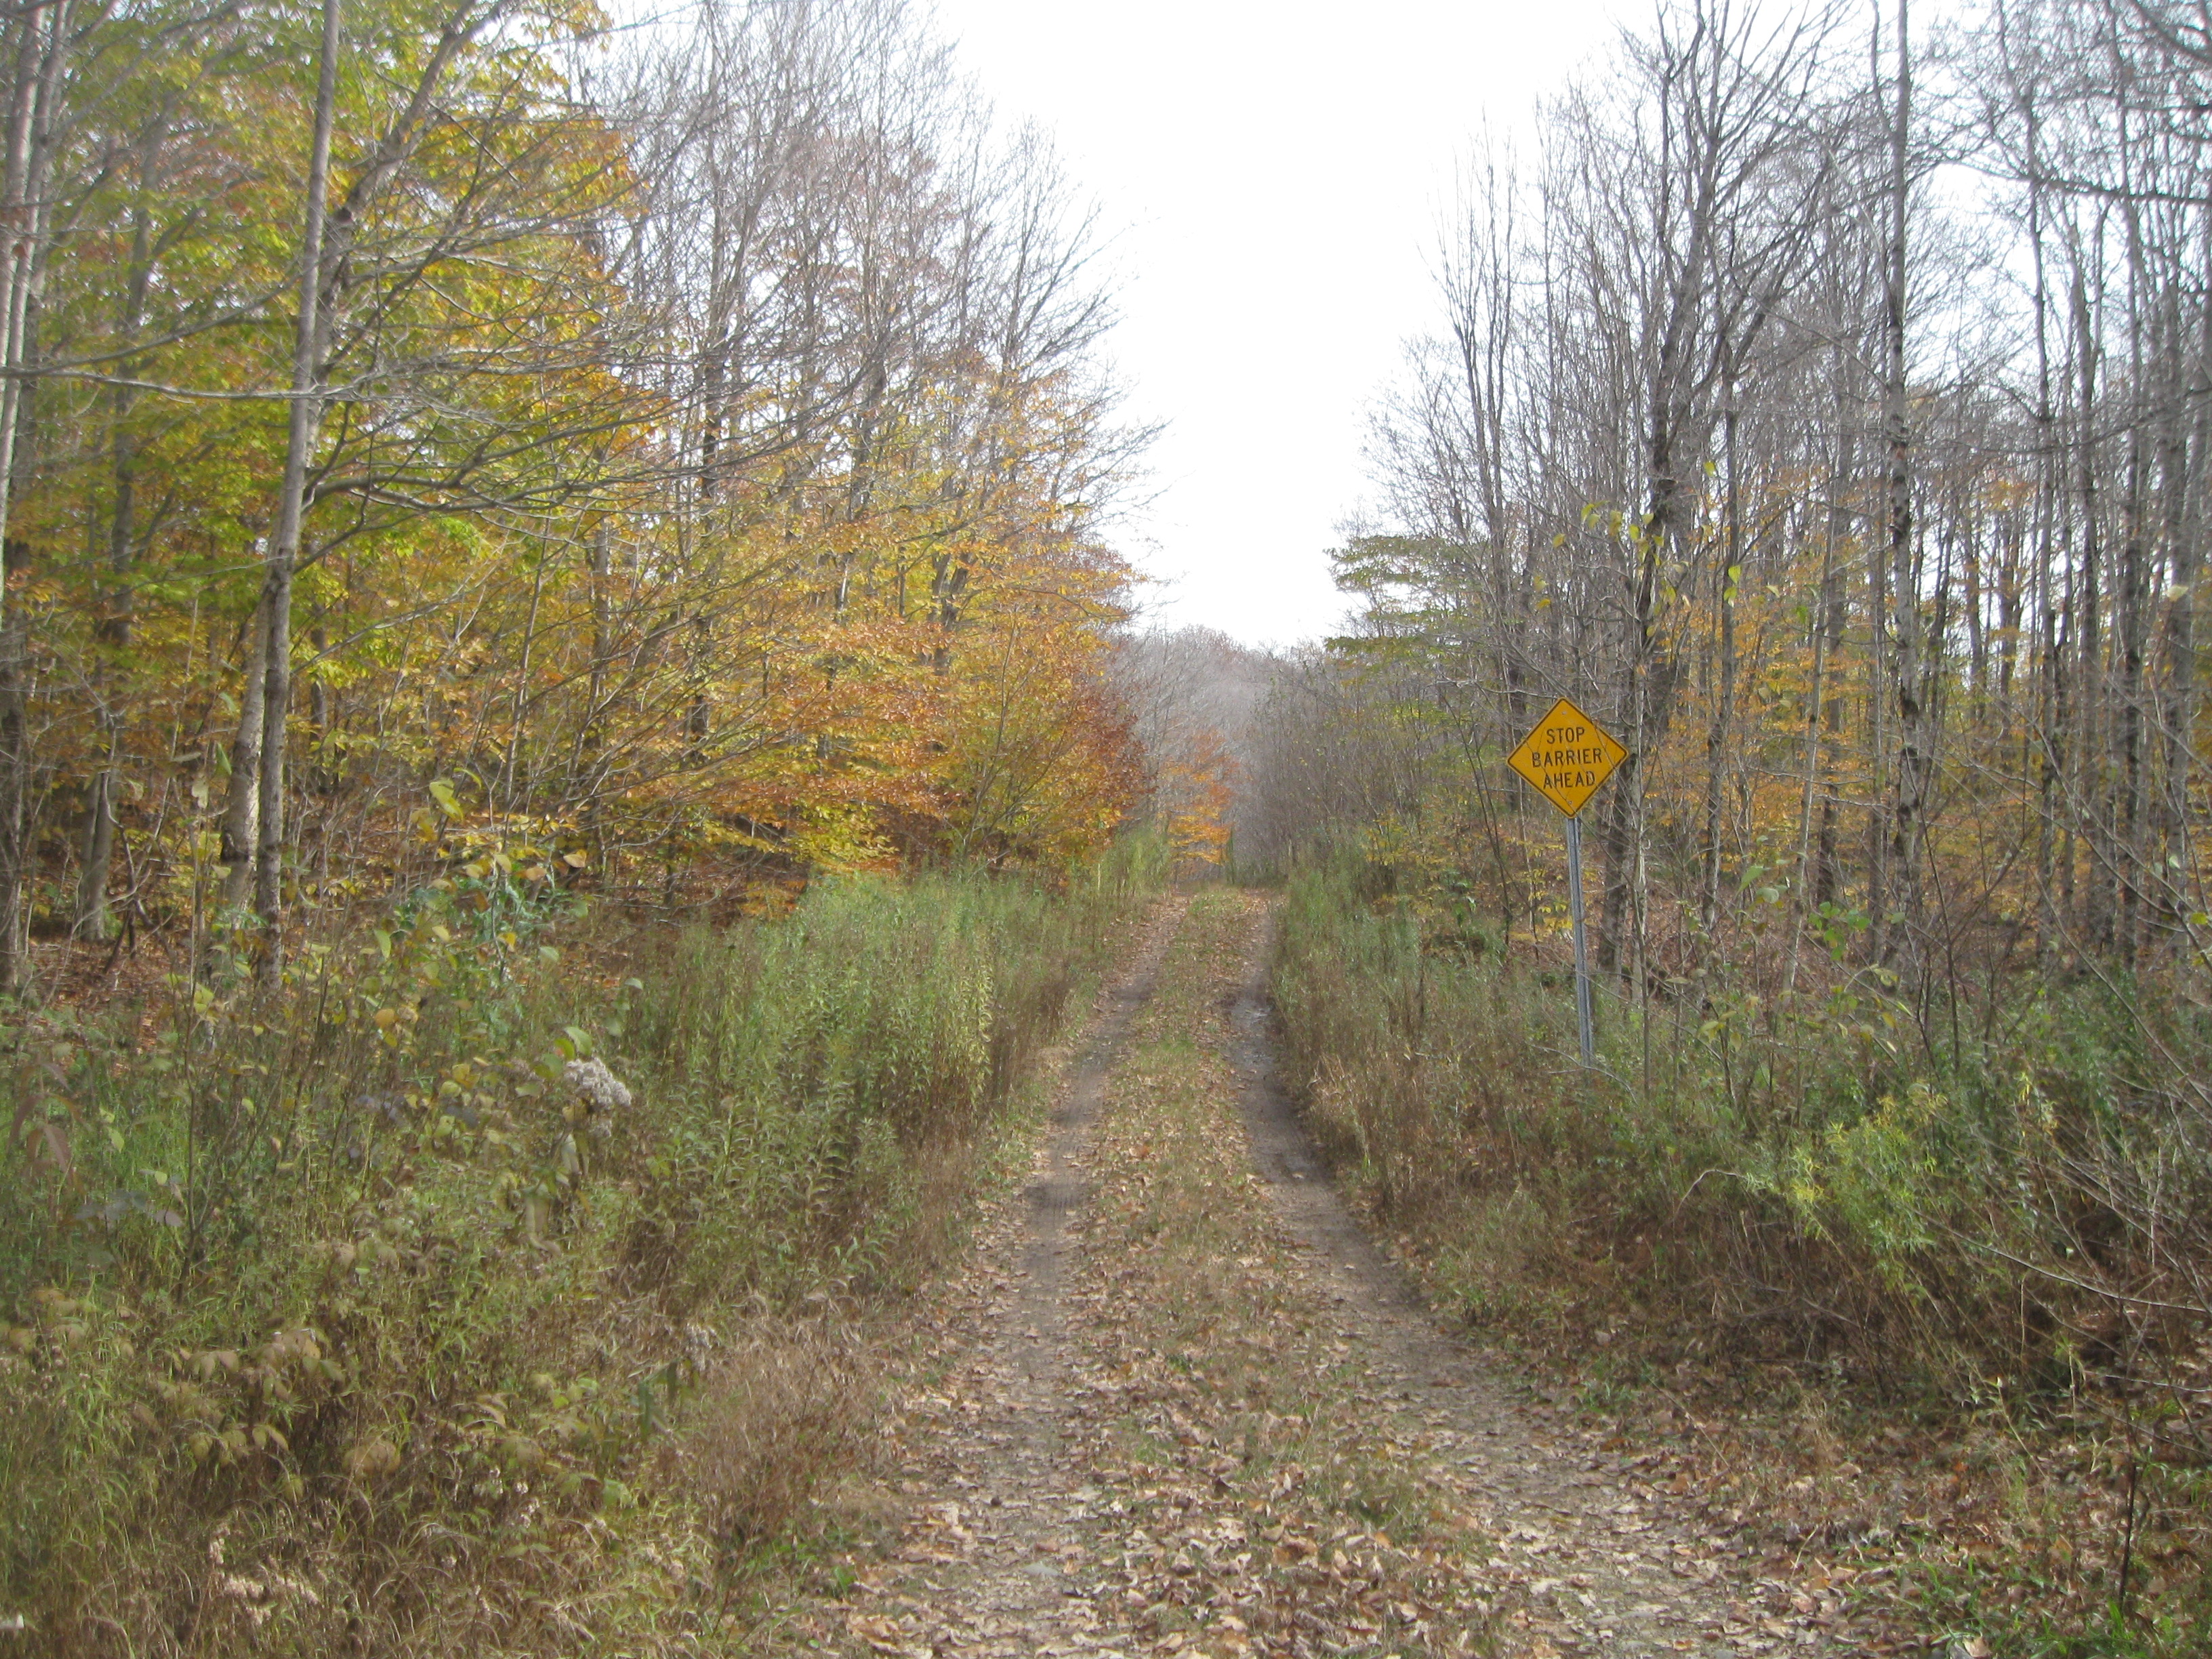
(1568, 757)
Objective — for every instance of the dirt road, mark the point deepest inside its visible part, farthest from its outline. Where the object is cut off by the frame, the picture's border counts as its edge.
(1189, 1408)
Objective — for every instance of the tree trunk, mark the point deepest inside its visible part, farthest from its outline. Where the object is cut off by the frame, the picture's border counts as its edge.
(1717, 734)
(1915, 684)
(2090, 687)
(112, 631)
(2187, 462)
(2049, 679)
(1878, 758)
(284, 546)
(92, 918)
(241, 815)
(41, 49)
(1826, 878)
(2128, 850)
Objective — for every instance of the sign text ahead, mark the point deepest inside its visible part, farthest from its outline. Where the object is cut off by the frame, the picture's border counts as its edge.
(1567, 757)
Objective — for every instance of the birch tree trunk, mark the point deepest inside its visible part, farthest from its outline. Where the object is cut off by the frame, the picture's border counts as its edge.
(241, 814)
(40, 51)
(284, 546)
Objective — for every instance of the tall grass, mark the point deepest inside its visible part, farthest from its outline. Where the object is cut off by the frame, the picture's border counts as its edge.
(1988, 1218)
(2008, 1198)
(375, 1313)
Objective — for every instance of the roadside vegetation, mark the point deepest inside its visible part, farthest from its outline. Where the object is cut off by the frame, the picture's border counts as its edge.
(485, 489)
(1923, 1285)
(491, 1286)
(567, 730)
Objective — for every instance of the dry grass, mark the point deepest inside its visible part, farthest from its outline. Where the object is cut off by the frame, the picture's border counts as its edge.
(785, 1410)
(1904, 1304)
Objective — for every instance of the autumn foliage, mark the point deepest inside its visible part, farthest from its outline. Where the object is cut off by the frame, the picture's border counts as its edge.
(705, 478)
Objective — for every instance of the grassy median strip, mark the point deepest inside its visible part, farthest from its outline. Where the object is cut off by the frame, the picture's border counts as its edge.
(1264, 1501)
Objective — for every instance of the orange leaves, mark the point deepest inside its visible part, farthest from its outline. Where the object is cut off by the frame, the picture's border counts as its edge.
(738, 617)
(1197, 794)
(1039, 761)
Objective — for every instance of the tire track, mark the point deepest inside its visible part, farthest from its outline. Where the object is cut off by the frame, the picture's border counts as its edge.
(1612, 1569)
(1031, 1525)
(1003, 1497)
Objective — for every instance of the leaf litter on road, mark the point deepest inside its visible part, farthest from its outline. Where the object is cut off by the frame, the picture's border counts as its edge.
(1180, 1406)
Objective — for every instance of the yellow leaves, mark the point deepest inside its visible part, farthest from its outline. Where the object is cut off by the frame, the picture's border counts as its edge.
(832, 663)
(842, 836)
(371, 1459)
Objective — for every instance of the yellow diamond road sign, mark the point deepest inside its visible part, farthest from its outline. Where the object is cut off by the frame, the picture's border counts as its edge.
(1567, 757)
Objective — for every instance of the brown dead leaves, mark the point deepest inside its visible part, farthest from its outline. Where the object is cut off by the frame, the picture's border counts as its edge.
(1263, 1501)
(1161, 1418)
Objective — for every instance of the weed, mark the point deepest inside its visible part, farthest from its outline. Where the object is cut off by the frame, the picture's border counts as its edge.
(1829, 1198)
(448, 1296)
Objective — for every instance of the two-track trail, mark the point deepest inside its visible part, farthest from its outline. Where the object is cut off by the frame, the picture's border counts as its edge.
(1189, 1409)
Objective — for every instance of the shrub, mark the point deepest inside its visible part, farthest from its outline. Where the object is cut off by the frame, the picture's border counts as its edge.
(1933, 1212)
(376, 1310)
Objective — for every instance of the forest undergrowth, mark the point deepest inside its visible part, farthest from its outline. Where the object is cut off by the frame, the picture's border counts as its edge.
(460, 1296)
(1923, 1284)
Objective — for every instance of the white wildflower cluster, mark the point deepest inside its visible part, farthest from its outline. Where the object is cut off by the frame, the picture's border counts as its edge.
(599, 1091)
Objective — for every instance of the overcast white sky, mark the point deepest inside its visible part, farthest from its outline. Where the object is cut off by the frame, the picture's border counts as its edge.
(1276, 173)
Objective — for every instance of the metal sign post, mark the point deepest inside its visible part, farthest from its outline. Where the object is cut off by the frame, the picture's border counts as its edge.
(1581, 946)
(1567, 757)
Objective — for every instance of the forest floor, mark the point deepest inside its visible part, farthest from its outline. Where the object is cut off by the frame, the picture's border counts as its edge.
(1178, 1402)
